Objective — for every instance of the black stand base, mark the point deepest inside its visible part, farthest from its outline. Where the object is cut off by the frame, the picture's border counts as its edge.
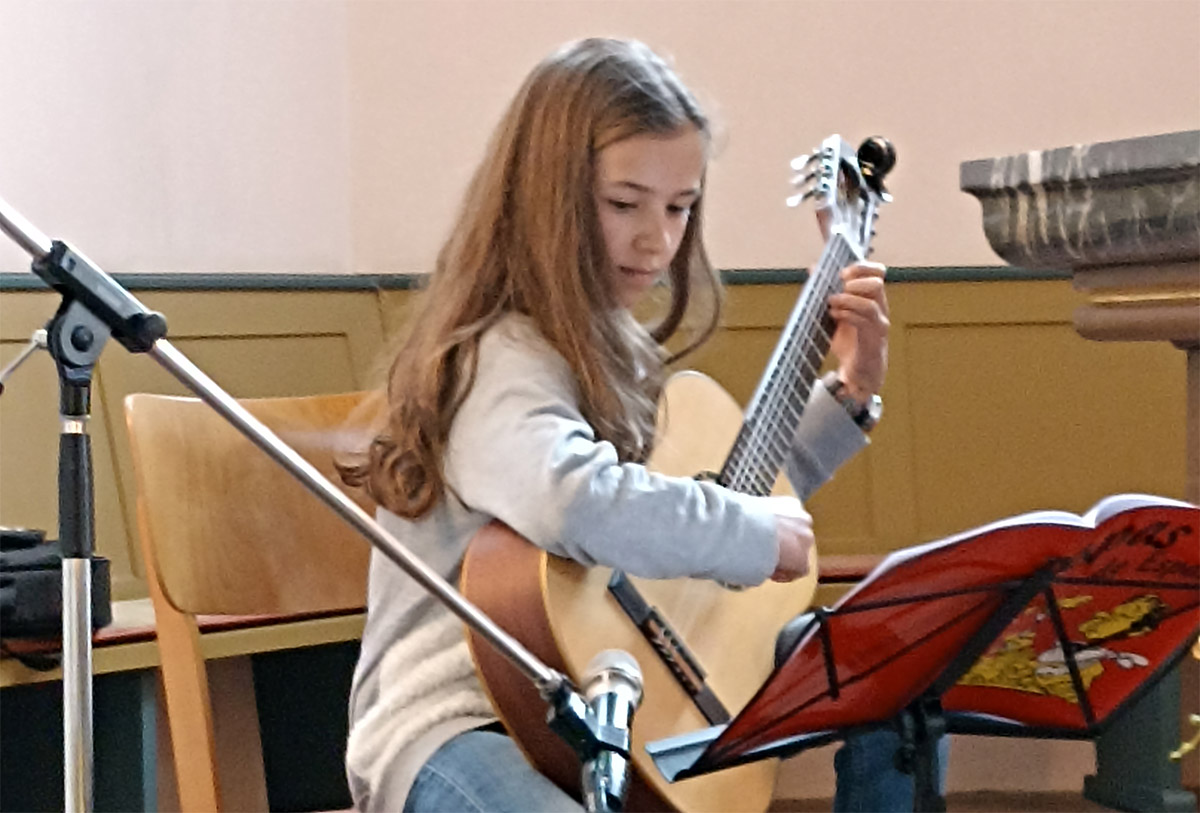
(921, 727)
(1113, 792)
(1132, 769)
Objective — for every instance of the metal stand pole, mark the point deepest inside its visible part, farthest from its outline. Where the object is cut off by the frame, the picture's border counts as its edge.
(74, 340)
(76, 533)
(77, 684)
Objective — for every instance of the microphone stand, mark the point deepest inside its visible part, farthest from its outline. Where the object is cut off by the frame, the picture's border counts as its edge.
(94, 306)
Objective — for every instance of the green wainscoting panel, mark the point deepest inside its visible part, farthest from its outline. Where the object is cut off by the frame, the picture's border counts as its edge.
(1011, 410)
(396, 308)
(252, 343)
(993, 404)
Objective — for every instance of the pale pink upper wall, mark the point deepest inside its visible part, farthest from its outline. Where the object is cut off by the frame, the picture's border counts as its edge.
(337, 135)
(946, 81)
(178, 136)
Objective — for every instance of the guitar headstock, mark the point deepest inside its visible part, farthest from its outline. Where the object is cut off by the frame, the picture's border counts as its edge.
(846, 186)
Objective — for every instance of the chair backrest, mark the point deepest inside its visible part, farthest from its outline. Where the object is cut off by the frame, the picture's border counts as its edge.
(226, 530)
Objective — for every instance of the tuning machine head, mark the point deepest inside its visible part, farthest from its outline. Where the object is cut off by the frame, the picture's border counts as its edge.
(876, 157)
(809, 168)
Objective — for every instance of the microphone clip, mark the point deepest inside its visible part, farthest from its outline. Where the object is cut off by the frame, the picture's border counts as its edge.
(596, 725)
(577, 723)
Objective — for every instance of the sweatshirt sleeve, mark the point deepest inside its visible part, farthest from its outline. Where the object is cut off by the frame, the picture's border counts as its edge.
(825, 439)
(521, 451)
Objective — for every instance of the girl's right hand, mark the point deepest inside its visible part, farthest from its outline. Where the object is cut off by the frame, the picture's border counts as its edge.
(793, 531)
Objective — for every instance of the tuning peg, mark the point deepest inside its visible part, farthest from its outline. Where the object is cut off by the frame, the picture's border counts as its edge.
(822, 189)
(801, 161)
(795, 200)
(803, 178)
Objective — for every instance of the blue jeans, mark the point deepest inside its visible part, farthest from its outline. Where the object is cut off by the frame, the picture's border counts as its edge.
(868, 780)
(484, 771)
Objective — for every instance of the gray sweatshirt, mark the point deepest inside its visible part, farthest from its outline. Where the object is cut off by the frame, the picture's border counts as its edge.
(520, 451)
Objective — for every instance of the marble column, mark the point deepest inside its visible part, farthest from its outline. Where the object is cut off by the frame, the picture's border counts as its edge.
(1124, 218)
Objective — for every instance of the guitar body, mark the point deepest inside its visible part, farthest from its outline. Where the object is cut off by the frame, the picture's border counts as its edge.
(564, 614)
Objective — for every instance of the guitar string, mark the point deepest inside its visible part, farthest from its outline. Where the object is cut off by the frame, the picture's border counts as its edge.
(797, 389)
(773, 446)
(761, 460)
(772, 440)
(761, 456)
(801, 370)
(749, 469)
(761, 443)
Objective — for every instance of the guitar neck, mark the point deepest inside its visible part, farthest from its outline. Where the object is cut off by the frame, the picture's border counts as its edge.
(770, 421)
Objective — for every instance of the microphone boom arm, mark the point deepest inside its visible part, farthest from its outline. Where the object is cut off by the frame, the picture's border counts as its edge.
(140, 330)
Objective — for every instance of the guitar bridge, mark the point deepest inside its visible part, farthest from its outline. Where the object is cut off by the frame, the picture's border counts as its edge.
(669, 646)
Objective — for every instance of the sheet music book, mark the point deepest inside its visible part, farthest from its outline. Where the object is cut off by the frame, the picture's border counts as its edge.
(1124, 602)
(1119, 601)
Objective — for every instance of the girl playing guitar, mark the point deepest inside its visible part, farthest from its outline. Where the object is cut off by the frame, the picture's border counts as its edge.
(526, 392)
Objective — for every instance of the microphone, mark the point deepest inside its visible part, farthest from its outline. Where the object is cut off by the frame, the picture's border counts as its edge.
(612, 685)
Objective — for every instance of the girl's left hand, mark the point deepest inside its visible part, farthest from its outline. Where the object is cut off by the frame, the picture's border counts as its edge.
(860, 341)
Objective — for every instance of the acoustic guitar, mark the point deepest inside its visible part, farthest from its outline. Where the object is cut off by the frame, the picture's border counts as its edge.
(703, 649)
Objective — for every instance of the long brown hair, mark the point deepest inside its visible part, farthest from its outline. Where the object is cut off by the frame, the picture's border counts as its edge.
(527, 239)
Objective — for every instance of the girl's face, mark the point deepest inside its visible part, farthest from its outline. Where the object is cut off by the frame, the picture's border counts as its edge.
(646, 186)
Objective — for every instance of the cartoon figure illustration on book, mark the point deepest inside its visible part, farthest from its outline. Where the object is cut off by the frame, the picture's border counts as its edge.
(1019, 664)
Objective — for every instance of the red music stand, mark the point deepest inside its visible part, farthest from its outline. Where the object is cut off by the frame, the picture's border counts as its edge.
(1042, 625)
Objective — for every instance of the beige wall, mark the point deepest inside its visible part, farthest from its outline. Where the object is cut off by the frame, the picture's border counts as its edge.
(191, 136)
(337, 136)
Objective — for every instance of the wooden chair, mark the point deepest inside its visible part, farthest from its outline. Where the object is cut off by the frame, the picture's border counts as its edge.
(225, 530)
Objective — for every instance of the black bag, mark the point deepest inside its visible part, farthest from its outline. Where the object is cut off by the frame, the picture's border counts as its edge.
(31, 586)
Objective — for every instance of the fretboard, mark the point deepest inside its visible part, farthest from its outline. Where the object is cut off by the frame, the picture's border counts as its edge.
(769, 426)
